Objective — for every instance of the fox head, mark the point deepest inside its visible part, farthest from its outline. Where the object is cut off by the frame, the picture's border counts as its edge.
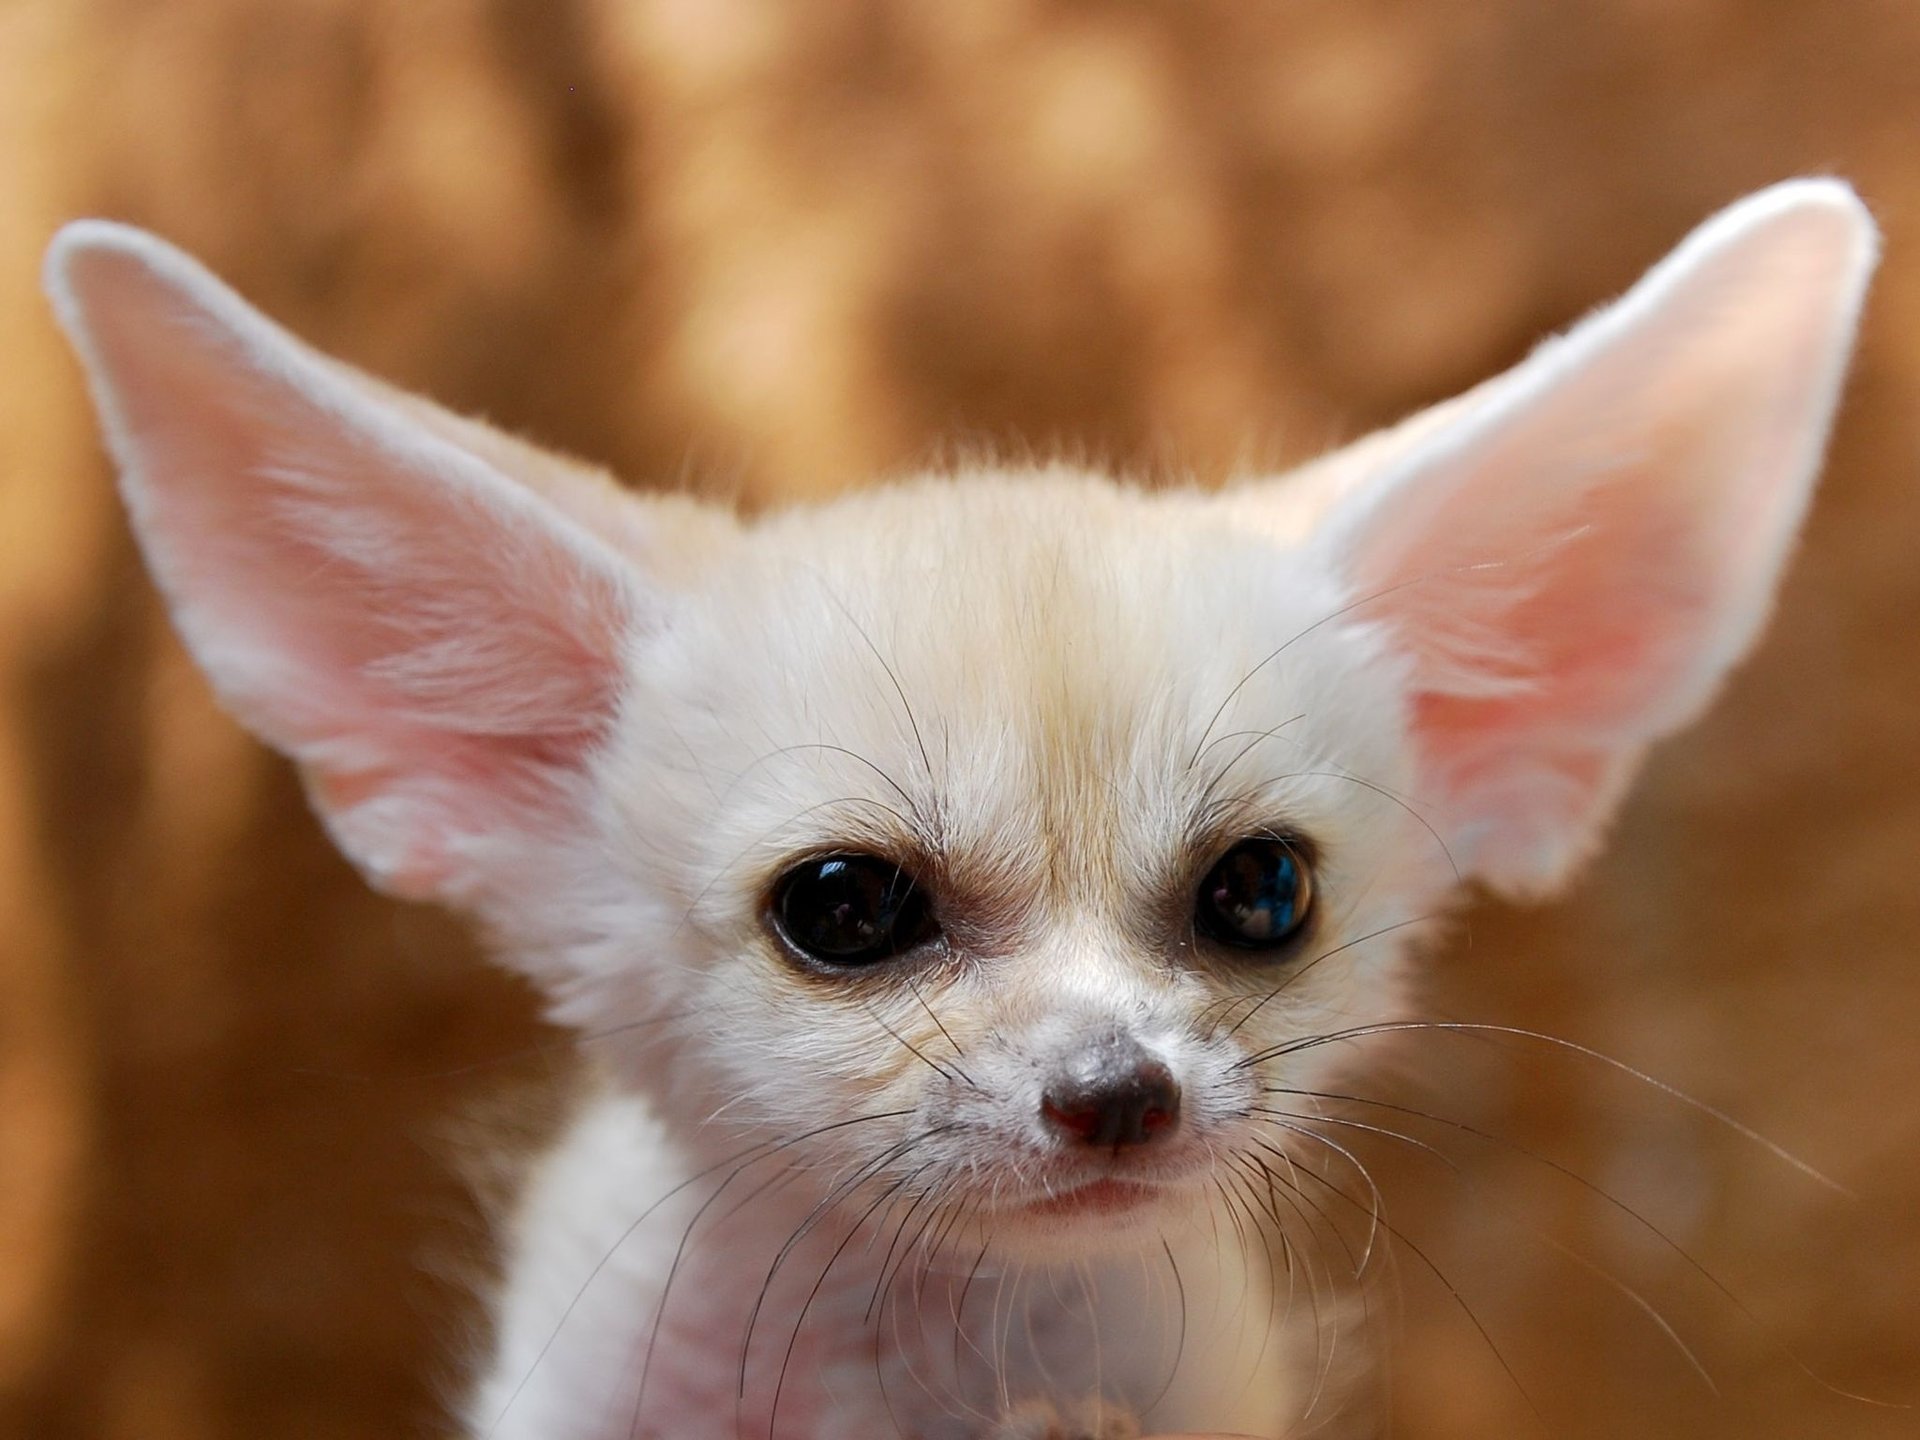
(1059, 823)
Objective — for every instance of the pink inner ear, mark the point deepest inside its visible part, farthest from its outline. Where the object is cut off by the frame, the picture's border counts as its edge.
(435, 646)
(1542, 655)
(1573, 561)
(1590, 645)
(1609, 616)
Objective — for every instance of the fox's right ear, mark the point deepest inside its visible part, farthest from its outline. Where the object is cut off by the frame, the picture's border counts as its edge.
(433, 619)
(1568, 560)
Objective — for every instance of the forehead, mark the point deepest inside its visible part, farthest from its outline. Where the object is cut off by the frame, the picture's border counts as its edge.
(1044, 678)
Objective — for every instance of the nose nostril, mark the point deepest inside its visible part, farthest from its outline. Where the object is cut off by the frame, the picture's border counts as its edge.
(1114, 1110)
(1082, 1121)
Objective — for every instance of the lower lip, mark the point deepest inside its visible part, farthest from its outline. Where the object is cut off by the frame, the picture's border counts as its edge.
(1102, 1197)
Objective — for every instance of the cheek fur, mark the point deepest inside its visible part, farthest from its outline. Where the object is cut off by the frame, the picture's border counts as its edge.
(800, 1049)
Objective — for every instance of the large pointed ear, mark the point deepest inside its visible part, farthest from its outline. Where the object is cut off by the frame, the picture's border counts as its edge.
(1571, 558)
(436, 641)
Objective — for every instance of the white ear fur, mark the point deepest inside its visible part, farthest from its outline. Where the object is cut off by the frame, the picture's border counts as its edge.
(1571, 557)
(439, 647)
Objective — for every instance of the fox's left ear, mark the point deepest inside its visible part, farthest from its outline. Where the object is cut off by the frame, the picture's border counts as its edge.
(1572, 557)
(435, 621)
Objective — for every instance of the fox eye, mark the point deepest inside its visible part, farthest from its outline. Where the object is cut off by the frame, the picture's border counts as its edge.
(1257, 896)
(851, 910)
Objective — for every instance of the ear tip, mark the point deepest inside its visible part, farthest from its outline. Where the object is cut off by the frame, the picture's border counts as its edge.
(1822, 211)
(81, 246)
(79, 241)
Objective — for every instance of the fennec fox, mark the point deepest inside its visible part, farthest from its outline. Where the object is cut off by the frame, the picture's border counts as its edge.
(975, 886)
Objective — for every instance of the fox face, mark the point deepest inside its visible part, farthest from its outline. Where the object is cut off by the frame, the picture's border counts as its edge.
(1011, 845)
(1051, 879)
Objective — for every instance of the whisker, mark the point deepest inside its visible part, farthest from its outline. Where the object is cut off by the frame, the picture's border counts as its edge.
(910, 1047)
(828, 1202)
(1515, 1147)
(1278, 651)
(800, 1320)
(1259, 738)
(1296, 1199)
(1356, 1263)
(1347, 609)
(778, 1182)
(741, 854)
(1404, 804)
(742, 1158)
(959, 1054)
(1244, 1220)
(913, 722)
(1673, 1092)
(888, 1273)
(1319, 959)
(781, 752)
(1644, 1305)
(1453, 1290)
(1180, 1290)
(1507, 1143)
(960, 1307)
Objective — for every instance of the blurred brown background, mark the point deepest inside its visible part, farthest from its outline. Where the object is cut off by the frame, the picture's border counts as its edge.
(776, 249)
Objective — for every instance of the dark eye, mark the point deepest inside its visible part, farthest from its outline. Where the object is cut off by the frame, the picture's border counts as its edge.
(1256, 896)
(851, 910)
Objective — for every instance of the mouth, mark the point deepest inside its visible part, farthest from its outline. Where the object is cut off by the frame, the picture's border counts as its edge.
(1097, 1197)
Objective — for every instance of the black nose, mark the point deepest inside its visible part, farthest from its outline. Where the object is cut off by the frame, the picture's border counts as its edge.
(1112, 1094)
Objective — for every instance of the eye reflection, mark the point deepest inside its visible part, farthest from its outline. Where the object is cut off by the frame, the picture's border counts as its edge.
(852, 910)
(1257, 896)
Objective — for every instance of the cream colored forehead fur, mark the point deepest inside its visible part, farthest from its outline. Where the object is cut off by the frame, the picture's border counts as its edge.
(1048, 683)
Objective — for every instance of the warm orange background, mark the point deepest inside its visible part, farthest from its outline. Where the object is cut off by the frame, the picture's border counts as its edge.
(778, 248)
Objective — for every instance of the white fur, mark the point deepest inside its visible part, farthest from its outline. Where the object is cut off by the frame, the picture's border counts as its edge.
(606, 725)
